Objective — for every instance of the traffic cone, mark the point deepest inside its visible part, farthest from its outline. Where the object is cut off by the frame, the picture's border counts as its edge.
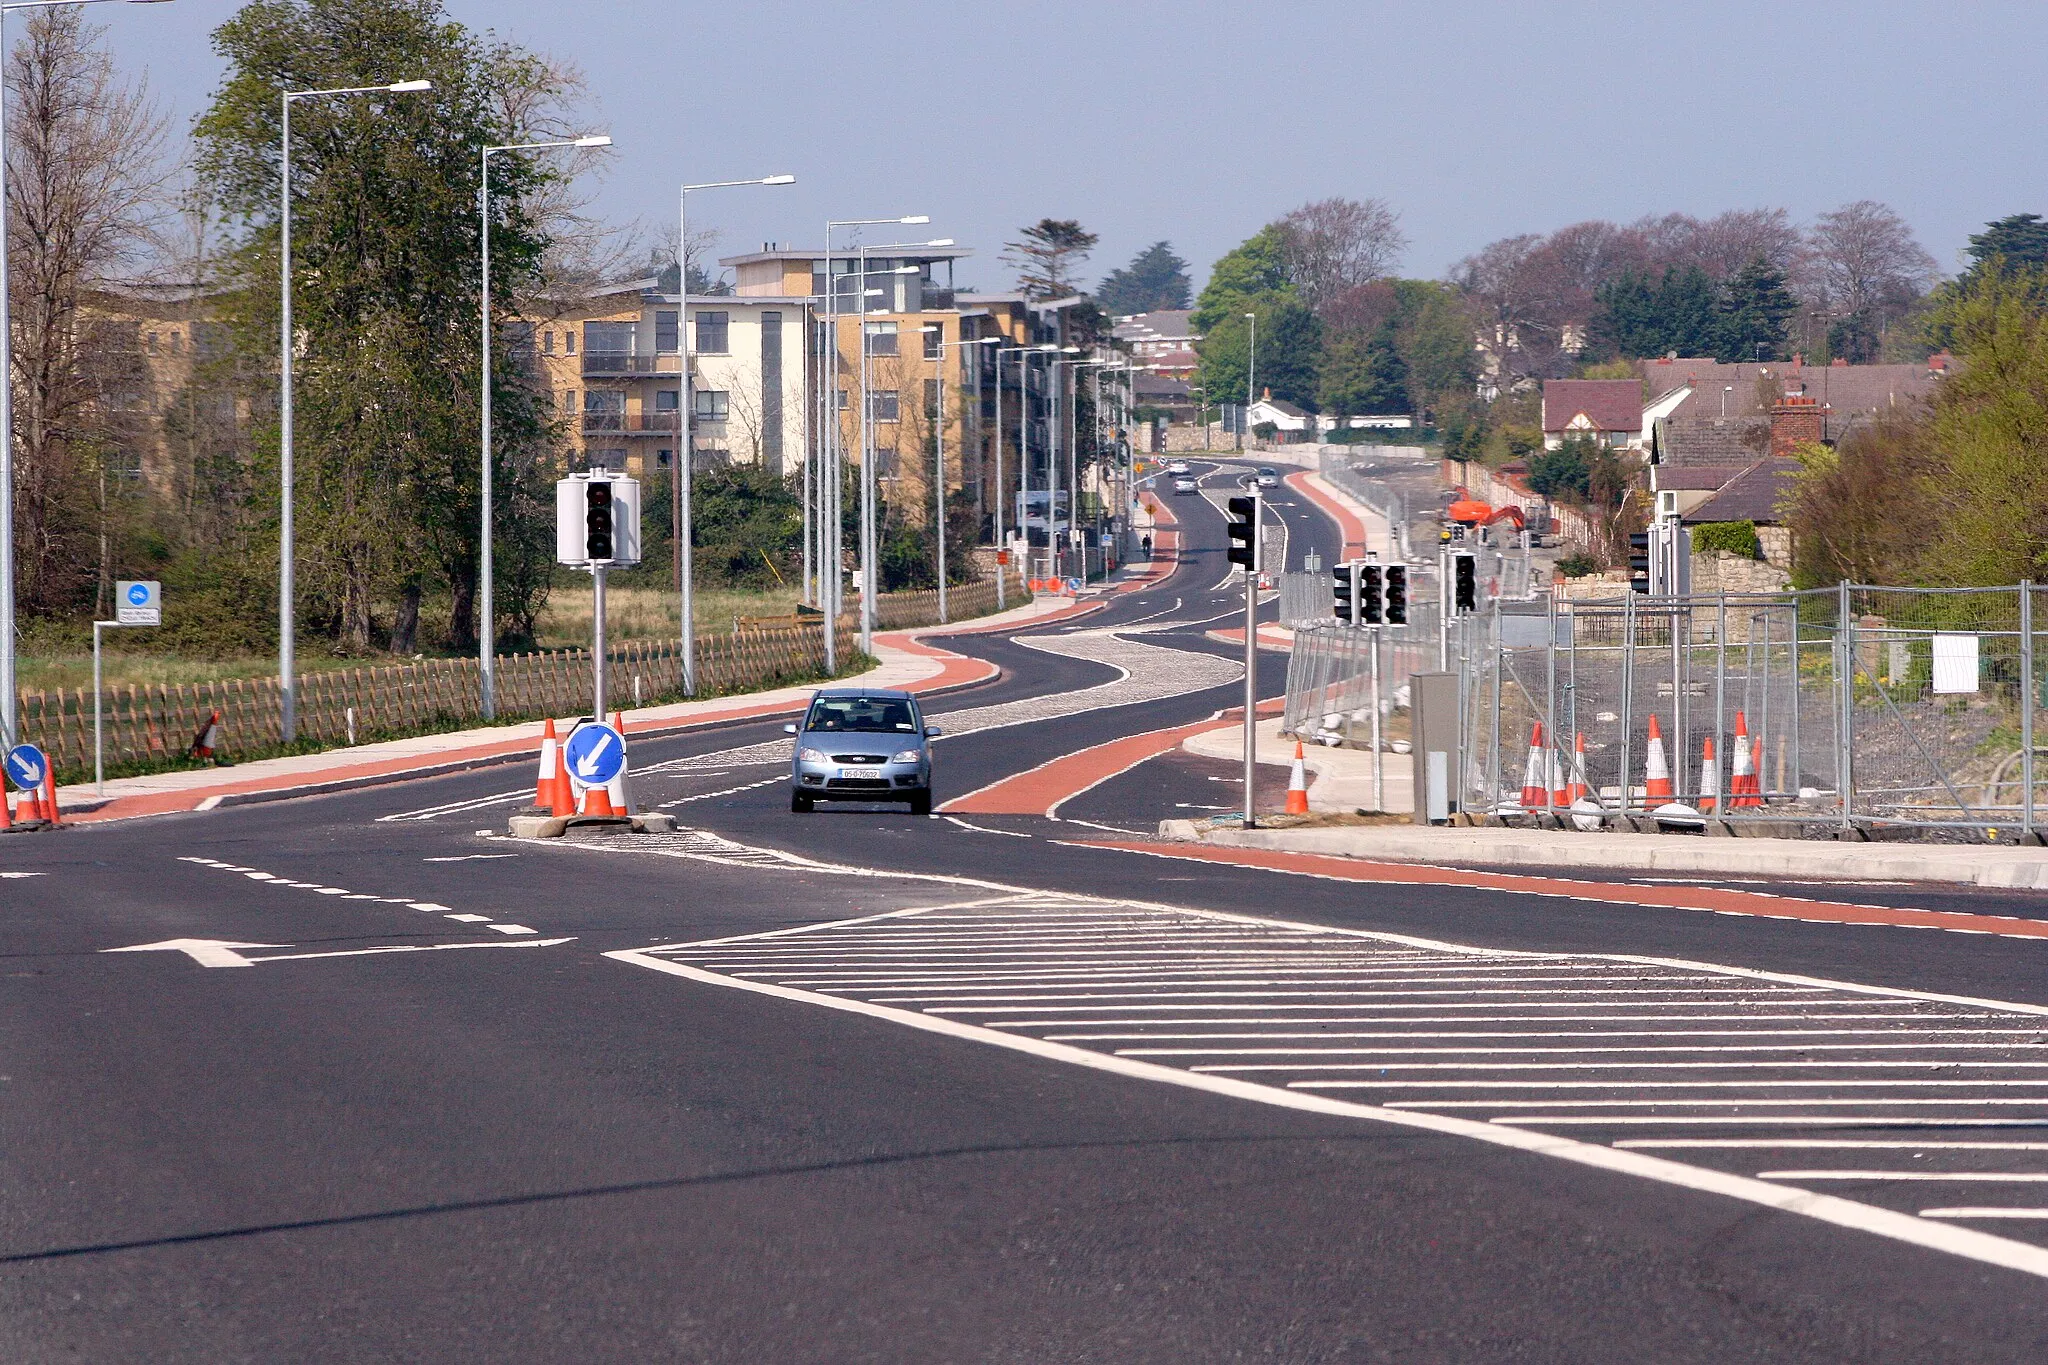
(1743, 788)
(622, 803)
(1535, 786)
(1710, 776)
(1560, 779)
(29, 811)
(1656, 772)
(207, 740)
(544, 780)
(1579, 789)
(50, 796)
(561, 791)
(6, 816)
(1297, 784)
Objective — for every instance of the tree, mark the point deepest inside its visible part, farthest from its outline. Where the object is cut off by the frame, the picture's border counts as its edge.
(1289, 345)
(81, 191)
(1755, 309)
(385, 281)
(1155, 279)
(1640, 316)
(1333, 245)
(2019, 241)
(1361, 374)
(1865, 262)
(1050, 257)
(1433, 332)
(1254, 269)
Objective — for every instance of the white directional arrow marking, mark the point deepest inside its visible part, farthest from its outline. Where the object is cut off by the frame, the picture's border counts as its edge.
(586, 766)
(207, 952)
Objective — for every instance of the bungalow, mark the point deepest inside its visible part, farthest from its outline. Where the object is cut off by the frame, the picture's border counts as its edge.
(1609, 411)
(1289, 422)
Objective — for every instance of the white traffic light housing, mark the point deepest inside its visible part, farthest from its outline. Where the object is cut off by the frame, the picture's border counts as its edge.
(597, 520)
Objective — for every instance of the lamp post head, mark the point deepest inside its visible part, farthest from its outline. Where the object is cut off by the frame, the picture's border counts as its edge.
(594, 140)
(940, 241)
(778, 180)
(916, 218)
(409, 87)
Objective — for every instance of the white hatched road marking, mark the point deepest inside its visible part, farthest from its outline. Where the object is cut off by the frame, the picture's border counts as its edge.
(942, 969)
(431, 907)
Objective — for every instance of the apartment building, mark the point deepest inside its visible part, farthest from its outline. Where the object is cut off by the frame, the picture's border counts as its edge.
(612, 365)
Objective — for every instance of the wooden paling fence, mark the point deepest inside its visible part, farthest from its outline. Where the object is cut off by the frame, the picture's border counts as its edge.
(156, 723)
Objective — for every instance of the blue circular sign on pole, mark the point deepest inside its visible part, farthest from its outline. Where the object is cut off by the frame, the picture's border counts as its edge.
(138, 594)
(595, 753)
(27, 767)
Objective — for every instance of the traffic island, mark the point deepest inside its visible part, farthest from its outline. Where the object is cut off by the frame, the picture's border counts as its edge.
(530, 826)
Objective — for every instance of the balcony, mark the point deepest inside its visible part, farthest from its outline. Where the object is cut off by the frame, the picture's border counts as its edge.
(625, 364)
(629, 423)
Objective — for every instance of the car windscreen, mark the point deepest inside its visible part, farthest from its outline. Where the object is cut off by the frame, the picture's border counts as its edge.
(861, 715)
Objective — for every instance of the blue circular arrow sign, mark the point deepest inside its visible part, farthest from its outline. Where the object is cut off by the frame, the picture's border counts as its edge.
(138, 594)
(27, 766)
(595, 753)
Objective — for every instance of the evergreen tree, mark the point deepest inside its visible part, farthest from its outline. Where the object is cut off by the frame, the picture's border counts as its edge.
(1049, 257)
(1155, 279)
(2019, 240)
(1254, 269)
(1362, 374)
(1676, 313)
(1755, 309)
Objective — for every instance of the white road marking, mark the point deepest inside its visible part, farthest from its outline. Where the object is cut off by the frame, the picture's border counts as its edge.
(513, 929)
(1984, 1213)
(428, 907)
(469, 858)
(468, 919)
(729, 791)
(1833, 1144)
(457, 807)
(2005, 1177)
(10, 876)
(982, 829)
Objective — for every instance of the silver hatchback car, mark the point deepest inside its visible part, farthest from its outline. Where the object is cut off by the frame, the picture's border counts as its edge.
(862, 744)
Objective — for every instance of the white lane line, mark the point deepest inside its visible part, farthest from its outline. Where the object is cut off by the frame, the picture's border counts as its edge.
(457, 807)
(1779, 1120)
(1831, 1082)
(1577, 1033)
(1679, 1102)
(1984, 1213)
(1825, 1208)
(1772, 1048)
(433, 906)
(1987, 1177)
(512, 929)
(729, 791)
(983, 829)
(468, 919)
(470, 858)
(13, 876)
(1835, 1144)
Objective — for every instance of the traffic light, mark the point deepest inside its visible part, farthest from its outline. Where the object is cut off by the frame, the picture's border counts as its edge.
(1371, 595)
(1244, 533)
(1397, 594)
(597, 520)
(1344, 591)
(1464, 583)
(1639, 561)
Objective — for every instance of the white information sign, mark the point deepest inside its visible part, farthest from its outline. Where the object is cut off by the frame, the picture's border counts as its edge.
(1955, 662)
(139, 603)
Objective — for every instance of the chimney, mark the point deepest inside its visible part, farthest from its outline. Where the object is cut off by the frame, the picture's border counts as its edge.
(1840, 362)
(1797, 420)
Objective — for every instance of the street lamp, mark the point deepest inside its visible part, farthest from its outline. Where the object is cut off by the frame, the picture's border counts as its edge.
(939, 448)
(679, 472)
(1251, 373)
(1023, 354)
(487, 632)
(287, 685)
(830, 482)
(7, 692)
(1073, 467)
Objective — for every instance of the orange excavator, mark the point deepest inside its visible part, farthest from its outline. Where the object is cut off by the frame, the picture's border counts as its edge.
(1467, 510)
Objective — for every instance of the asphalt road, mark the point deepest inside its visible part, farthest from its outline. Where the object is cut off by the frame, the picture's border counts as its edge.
(1001, 1131)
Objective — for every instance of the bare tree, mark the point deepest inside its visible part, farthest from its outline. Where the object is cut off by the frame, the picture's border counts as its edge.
(84, 176)
(1335, 245)
(1866, 262)
(1724, 244)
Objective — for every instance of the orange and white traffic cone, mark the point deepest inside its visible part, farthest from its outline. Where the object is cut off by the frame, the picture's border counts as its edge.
(1297, 784)
(622, 803)
(597, 801)
(1579, 789)
(6, 816)
(1560, 777)
(1743, 787)
(1710, 776)
(561, 791)
(207, 740)
(50, 796)
(1535, 785)
(544, 780)
(1656, 771)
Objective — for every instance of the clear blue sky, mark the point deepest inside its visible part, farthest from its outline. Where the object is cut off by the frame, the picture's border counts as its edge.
(1198, 121)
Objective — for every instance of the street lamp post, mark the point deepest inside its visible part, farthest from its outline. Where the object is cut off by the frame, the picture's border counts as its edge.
(939, 457)
(1023, 450)
(287, 663)
(679, 472)
(8, 699)
(1073, 467)
(1251, 374)
(487, 633)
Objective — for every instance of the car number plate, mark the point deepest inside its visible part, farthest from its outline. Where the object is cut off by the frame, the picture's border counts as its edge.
(858, 773)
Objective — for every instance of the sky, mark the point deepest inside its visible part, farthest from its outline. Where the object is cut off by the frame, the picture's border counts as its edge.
(1198, 121)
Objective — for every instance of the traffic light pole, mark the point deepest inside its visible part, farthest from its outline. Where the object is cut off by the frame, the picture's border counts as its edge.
(597, 646)
(1251, 660)
(1379, 766)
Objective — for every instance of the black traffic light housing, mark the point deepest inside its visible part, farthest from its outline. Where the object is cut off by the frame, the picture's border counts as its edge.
(1244, 533)
(1639, 561)
(597, 519)
(1464, 583)
(1372, 586)
(1397, 594)
(1344, 592)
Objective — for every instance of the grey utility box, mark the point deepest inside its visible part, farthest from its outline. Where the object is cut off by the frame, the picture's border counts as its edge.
(1433, 717)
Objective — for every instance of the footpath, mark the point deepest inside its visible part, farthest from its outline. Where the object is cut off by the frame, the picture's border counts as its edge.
(904, 662)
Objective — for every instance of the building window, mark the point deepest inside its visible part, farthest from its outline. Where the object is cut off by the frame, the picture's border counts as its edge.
(713, 333)
(662, 457)
(604, 410)
(569, 342)
(843, 404)
(886, 466)
(547, 343)
(771, 388)
(881, 338)
(712, 405)
(887, 407)
(126, 465)
(667, 400)
(665, 334)
(614, 460)
(931, 400)
(934, 342)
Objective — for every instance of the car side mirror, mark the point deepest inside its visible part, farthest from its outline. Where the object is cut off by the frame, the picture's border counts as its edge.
(789, 729)
(932, 732)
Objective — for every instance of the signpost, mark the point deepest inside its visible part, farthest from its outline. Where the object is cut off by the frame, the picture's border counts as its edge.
(27, 767)
(595, 753)
(1247, 534)
(137, 602)
(597, 527)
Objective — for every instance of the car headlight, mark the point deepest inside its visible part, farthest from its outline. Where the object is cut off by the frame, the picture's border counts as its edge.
(908, 756)
(811, 756)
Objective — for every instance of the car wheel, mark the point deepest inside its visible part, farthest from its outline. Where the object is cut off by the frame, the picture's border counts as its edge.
(799, 804)
(921, 803)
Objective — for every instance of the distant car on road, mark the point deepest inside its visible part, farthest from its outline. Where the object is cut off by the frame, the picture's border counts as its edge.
(1177, 467)
(861, 744)
(1186, 484)
(1268, 478)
